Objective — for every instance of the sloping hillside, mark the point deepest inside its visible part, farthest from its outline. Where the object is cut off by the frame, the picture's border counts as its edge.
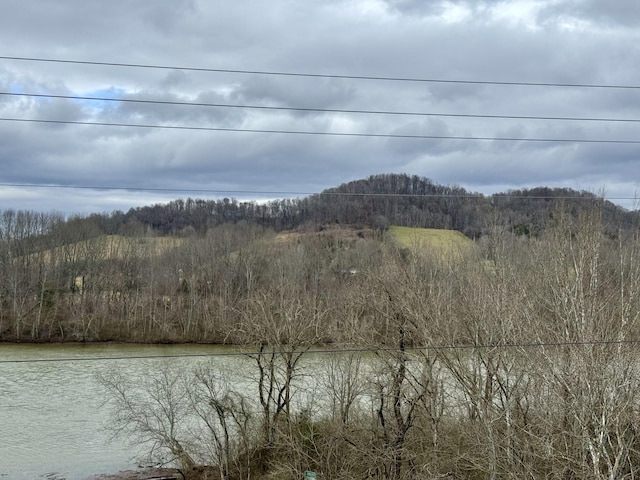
(108, 247)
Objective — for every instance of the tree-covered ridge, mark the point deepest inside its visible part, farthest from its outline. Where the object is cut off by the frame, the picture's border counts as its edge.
(374, 202)
(396, 199)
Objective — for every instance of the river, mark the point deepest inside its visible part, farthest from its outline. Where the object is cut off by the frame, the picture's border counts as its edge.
(52, 421)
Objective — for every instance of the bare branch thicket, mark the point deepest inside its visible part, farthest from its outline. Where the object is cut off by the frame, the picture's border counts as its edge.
(568, 409)
(588, 290)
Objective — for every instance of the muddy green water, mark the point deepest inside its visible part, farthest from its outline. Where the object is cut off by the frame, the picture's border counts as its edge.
(52, 421)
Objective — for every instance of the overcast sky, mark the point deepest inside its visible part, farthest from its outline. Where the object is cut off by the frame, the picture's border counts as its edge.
(565, 41)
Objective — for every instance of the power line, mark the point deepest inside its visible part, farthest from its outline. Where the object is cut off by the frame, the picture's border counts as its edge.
(322, 75)
(324, 193)
(157, 189)
(492, 346)
(320, 110)
(315, 133)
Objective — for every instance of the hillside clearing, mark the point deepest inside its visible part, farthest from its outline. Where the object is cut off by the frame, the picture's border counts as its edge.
(438, 240)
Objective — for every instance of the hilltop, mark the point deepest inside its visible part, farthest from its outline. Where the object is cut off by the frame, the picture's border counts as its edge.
(377, 201)
(374, 202)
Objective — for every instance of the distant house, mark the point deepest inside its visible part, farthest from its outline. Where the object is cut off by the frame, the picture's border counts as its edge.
(78, 284)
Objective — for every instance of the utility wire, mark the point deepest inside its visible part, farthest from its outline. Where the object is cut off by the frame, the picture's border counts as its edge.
(324, 193)
(322, 75)
(492, 346)
(319, 110)
(315, 133)
(159, 189)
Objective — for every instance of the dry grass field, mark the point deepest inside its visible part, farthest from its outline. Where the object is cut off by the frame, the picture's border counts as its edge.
(445, 243)
(109, 247)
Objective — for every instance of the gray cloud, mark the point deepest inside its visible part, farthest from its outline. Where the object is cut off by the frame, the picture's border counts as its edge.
(624, 13)
(564, 41)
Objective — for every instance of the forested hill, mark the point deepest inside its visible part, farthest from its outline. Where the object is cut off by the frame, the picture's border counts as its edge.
(377, 201)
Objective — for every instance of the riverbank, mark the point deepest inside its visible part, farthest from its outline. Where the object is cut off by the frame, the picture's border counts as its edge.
(147, 474)
(195, 473)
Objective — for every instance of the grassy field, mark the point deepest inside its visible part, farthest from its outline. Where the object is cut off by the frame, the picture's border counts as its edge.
(443, 242)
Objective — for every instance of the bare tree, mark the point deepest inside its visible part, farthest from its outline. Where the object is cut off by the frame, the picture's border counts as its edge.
(153, 412)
